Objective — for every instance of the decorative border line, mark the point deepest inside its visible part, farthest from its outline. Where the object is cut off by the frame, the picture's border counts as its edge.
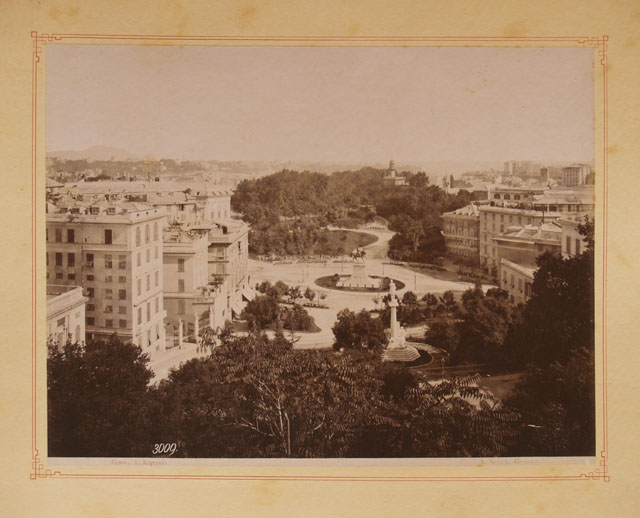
(40, 40)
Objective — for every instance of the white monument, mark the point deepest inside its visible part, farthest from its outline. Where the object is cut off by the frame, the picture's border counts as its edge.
(398, 349)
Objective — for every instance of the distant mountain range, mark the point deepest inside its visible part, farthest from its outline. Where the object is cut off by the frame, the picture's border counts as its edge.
(94, 153)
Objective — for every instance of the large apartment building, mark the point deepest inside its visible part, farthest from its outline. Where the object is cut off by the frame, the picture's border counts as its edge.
(229, 259)
(114, 251)
(193, 298)
(461, 229)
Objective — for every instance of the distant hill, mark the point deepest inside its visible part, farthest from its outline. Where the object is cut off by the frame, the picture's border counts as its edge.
(94, 153)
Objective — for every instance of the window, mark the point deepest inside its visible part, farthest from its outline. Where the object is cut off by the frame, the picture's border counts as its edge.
(90, 277)
(148, 282)
(157, 331)
(58, 258)
(157, 278)
(140, 315)
(108, 261)
(108, 323)
(122, 310)
(90, 292)
(139, 259)
(577, 246)
(122, 279)
(148, 337)
(139, 287)
(157, 304)
(58, 235)
(122, 294)
(90, 321)
(568, 244)
(70, 235)
(71, 276)
(91, 307)
(181, 307)
(122, 262)
(155, 253)
(180, 285)
(155, 231)
(146, 233)
(108, 236)
(59, 275)
(138, 238)
(47, 256)
(90, 260)
(148, 254)
(148, 311)
(181, 265)
(108, 278)
(108, 293)
(108, 309)
(122, 323)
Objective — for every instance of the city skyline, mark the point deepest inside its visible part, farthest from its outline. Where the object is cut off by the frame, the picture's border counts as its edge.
(354, 104)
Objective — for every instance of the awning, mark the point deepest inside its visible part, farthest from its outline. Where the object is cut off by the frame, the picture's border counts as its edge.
(237, 308)
(248, 294)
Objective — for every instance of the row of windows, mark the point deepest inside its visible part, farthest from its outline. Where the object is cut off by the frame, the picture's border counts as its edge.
(158, 307)
(71, 236)
(108, 322)
(122, 310)
(156, 282)
(156, 254)
(147, 237)
(148, 337)
(506, 196)
(108, 235)
(108, 293)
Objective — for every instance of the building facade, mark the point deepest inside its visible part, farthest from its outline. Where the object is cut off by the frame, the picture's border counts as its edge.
(192, 297)
(516, 280)
(65, 314)
(114, 251)
(461, 230)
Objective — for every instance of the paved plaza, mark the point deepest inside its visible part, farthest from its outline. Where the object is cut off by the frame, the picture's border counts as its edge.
(304, 275)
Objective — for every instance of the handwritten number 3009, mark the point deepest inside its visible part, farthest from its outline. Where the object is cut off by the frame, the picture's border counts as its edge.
(164, 447)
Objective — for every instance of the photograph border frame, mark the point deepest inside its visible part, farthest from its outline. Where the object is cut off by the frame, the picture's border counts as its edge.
(39, 468)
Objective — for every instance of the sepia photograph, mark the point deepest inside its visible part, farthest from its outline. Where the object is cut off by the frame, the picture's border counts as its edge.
(320, 252)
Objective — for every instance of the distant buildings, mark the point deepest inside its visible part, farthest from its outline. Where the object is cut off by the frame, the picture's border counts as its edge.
(518, 208)
(391, 177)
(575, 175)
(522, 168)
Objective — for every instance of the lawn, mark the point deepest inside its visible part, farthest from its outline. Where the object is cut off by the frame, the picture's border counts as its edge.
(348, 240)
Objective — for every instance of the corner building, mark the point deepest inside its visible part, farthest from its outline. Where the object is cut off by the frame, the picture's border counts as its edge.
(114, 251)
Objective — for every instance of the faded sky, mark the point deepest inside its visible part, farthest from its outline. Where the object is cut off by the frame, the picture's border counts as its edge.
(323, 104)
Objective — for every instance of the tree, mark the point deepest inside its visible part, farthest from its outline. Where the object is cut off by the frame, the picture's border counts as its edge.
(294, 293)
(558, 407)
(358, 330)
(559, 317)
(97, 400)
(261, 311)
(309, 294)
(443, 333)
(409, 298)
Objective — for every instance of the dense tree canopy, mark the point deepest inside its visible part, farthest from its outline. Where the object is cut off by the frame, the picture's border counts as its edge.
(287, 209)
(97, 402)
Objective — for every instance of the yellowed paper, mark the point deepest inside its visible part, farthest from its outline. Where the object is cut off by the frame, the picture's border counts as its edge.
(31, 486)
